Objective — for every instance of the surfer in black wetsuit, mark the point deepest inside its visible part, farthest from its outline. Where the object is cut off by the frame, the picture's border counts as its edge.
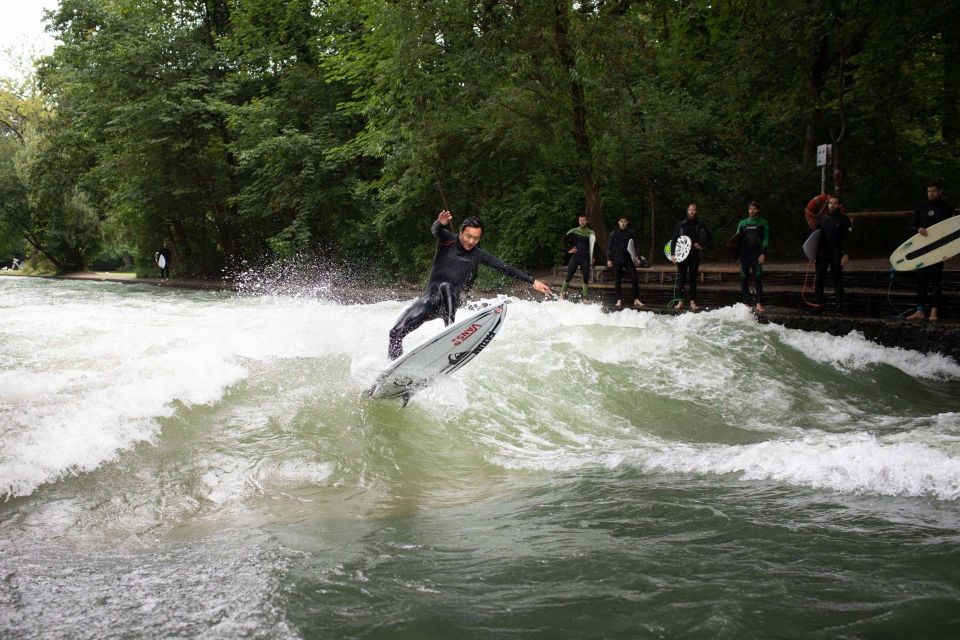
(832, 252)
(929, 213)
(454, 270)
(699, 237)
(164, 252)
(620, 260)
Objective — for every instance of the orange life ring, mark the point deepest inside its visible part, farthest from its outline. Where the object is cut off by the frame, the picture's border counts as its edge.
(817, 207)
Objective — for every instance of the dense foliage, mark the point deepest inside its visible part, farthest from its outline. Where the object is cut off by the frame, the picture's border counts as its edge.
(245, 131)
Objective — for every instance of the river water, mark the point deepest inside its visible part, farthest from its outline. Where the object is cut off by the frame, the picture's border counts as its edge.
(195, 464)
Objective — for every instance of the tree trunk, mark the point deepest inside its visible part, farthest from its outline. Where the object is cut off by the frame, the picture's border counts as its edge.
(653, 229)
(950, 125)
(591, 190)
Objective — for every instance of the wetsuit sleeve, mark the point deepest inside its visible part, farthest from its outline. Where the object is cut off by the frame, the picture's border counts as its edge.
(676, 235)
(610, 240)
(707, 237)
(766, 236)
(847, 233)
(441, 234)
(917, 219)
(503, 267)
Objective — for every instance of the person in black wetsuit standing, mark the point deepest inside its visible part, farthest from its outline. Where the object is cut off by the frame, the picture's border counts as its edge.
(699, 237)
(454, 270)
(620, 260)
(833, 250)
(929, 213)
(165, 253)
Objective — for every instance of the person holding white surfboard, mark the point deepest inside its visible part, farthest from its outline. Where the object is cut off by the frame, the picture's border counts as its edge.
(699, 235)
(833, 250)
(931, 212)
(452, 274)
(621, 251)
(926, 215)
(162, 258)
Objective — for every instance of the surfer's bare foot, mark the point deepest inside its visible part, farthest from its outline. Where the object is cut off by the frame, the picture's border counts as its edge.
(618, 304)
(934, 316)
(638, 304)
(563, 296)
(585, 301)
(679, 305)
(916, 315)
(759, 308)
(694, 306)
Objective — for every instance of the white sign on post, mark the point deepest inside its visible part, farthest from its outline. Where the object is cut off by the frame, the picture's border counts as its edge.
(824, 151)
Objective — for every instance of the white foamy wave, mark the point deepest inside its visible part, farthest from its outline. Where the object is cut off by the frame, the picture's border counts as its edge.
(93, 376)
(853, 352)
(856, 463)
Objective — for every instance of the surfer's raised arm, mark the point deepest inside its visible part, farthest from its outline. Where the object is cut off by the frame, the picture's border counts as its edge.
(438, 230)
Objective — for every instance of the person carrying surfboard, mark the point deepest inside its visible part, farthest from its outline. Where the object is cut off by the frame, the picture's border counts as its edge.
(832, 252)
(926, 215)
(579, 242)
(754, 232)
(699, 236)
(620, 258)
(162, 258)
(452, 275)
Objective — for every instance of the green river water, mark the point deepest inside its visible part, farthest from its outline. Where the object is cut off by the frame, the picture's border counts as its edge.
(182, 464)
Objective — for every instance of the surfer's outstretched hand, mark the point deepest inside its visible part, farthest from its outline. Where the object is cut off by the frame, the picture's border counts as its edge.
(542, 287)
(445, 217)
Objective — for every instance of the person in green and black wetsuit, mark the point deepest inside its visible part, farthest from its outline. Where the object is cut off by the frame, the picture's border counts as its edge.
(579, 242)
(833, 250)
(754, 239)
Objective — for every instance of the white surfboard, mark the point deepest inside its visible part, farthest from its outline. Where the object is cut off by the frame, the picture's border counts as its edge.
(161, 262)
(681, 249)
(941, 242)
(632, 250)
(443, 354)
(811, 245)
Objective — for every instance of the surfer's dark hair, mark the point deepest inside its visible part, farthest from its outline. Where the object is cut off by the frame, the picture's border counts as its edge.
(471, 221)
(936, 184)
(753, 203)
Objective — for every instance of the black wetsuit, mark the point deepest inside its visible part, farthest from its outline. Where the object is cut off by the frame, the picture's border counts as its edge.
(698, 233)
(453, 272)
(835, 231)
(926, 215)
(165, 270)
(618, 254)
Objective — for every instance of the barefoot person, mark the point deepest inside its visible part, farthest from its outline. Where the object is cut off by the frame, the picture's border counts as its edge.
(699, 236)
(926, 215)
(454, 270)
(833, 250)
(579, 241)
(620, 260)
(754, 239)
(164, 253)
